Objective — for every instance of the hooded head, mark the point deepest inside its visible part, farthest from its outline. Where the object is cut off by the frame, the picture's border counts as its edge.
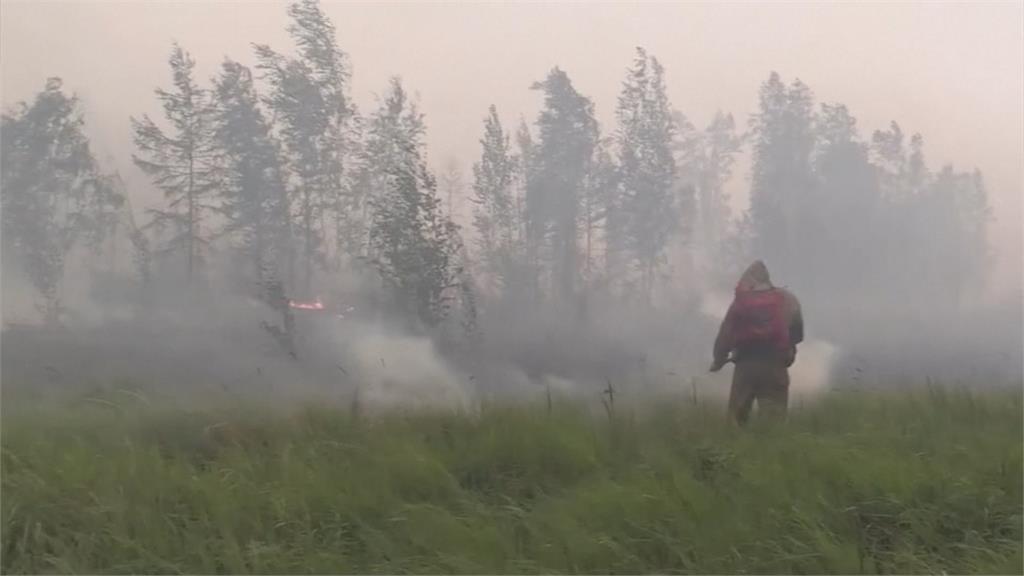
(754, 278)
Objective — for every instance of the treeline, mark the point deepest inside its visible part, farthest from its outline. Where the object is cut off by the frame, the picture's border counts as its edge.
(274, 171)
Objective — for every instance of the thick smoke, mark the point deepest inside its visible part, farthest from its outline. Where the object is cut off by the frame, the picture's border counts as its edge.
(584, 260)
(400, 370)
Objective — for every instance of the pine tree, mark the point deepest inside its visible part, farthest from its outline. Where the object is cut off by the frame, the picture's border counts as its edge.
(648, 170)
(308, 97)
(53, 192)
(564, 157)
(394, 135)
(845, 204)
(254, 196)
(452, 188)
(781, 179)
(494, 215)
(951, 231)
(600, 196)
(889, 156)
(902, 178)
(416, 249)
(526, 170)
(182, 163)
(720, 144)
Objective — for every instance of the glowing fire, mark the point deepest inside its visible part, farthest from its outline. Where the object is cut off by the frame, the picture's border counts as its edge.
(314, 305)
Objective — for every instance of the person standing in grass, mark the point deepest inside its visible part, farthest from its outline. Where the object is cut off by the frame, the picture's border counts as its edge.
(760, 331)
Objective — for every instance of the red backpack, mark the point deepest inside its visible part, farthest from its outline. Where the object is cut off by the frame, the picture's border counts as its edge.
(759, 319)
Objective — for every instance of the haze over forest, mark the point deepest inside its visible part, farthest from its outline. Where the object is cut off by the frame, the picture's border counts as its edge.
(950, 70)
(637, 157)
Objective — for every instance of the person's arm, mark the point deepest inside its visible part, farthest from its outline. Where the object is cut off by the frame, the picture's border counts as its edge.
(724, 342)
(796, 320)
(796, 327)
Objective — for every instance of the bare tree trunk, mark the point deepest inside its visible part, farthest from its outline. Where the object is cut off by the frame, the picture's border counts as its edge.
(323, 227)
(589, 231)
(307, 231)
(191, 216)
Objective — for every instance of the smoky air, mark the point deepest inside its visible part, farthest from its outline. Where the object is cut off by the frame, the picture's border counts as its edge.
(264, 223)
(340, 287)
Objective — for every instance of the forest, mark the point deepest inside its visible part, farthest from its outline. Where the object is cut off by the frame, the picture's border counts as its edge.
(573, 250)
(306, 345)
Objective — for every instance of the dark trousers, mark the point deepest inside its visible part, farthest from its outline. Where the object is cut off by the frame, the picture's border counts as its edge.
(764, 379)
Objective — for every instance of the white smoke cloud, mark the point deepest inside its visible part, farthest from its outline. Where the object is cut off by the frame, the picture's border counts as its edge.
(810, 375)
(402, 371)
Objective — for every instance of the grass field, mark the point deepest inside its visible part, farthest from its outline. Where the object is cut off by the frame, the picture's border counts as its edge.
(918, 482)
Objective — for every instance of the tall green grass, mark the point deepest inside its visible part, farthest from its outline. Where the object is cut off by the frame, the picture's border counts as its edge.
(858, 483)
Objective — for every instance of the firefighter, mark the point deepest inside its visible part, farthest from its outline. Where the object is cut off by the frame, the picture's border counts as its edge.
(274, 296)
(761, 330)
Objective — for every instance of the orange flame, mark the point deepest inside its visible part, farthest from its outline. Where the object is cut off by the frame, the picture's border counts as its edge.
(314, 305)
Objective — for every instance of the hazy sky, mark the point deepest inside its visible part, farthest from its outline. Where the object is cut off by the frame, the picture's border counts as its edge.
(953, 71)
